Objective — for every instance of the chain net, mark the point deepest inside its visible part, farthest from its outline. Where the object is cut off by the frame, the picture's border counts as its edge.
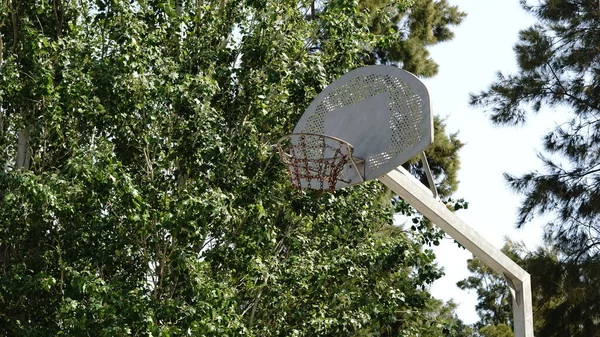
(314, 161)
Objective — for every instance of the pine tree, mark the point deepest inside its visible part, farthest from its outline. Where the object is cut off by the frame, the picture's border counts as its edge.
(409, 31)
(565, 295)
(559, 66)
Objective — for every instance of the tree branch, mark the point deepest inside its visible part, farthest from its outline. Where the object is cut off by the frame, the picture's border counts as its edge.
(566, 92)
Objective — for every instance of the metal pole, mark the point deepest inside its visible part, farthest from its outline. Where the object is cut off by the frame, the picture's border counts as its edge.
(418, 196)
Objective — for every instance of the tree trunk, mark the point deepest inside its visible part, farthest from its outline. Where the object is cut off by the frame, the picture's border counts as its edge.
(179, 7)
(1, 49)
(23, 153)
(23, 150)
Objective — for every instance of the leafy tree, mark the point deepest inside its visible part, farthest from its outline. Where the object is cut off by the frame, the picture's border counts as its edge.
(140, 194)
(565, 294)
(558, 67)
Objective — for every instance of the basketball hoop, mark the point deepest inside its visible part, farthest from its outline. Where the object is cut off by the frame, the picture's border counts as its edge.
(316, 161)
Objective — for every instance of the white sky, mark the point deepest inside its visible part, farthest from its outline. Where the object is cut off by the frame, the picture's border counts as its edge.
(483, 44)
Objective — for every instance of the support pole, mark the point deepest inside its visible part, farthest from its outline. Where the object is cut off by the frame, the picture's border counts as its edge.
(418, 196)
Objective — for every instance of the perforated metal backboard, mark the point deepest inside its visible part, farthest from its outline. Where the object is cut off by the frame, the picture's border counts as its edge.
(382, 111)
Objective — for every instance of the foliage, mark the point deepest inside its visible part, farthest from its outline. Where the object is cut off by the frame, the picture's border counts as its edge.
(140, 194)
(558, 67)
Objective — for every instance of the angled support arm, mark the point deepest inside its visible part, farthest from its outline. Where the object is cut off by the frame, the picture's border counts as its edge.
(418, 196)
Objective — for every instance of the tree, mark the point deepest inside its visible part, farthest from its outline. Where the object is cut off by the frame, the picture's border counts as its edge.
(402, 31)
(558, 67)
(407, 31)
(565, 297)
(494, 305)
(140, 194)
(565, 294)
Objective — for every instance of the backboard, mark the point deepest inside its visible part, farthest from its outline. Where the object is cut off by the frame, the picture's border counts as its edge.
(382, 111)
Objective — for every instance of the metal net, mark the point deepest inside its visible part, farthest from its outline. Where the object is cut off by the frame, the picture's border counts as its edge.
(314, 161)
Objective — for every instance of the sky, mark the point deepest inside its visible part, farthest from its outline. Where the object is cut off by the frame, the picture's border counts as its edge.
(482, 46)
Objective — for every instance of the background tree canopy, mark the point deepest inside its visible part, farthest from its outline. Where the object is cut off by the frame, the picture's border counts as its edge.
(559, 69)
(558, 66)
(140, 194)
